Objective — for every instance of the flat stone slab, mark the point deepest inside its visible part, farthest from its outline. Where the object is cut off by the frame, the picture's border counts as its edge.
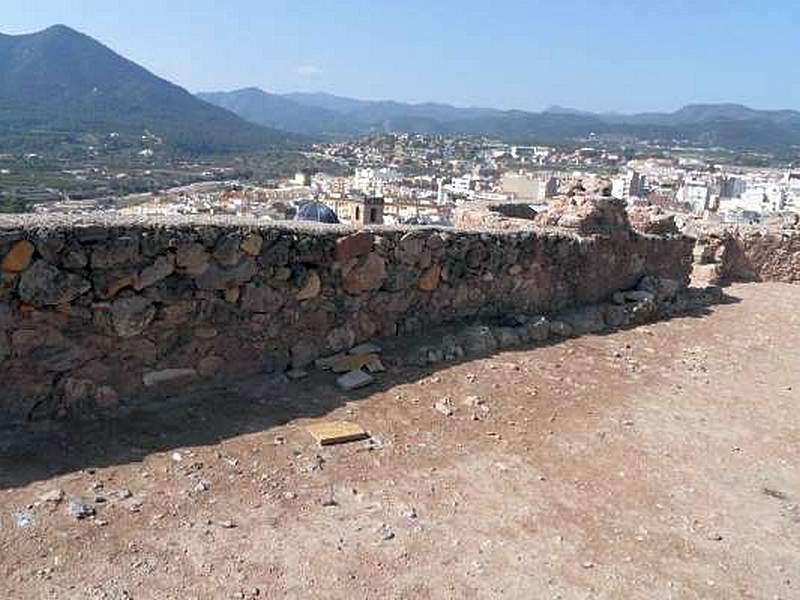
(354, 380)
(158, 377)
(336, 432)
(368, 348)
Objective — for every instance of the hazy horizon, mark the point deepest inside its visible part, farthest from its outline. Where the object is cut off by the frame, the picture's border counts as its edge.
(621, 57)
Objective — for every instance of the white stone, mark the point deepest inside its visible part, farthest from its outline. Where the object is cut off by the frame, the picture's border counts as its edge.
(158, 377)
(354, 380)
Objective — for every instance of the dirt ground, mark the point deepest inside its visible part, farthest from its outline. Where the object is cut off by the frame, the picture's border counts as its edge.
(661, 462)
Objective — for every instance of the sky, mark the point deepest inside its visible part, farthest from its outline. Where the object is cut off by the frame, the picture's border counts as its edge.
(599, 55)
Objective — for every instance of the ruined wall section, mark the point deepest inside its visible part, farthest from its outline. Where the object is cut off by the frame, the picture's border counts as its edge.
(747, 254)
(94, 314)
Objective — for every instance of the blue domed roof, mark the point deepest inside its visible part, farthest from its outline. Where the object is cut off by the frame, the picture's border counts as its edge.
(316, 211)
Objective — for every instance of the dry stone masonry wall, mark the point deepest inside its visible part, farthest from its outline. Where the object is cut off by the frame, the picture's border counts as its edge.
(108, 312)
(748, 253)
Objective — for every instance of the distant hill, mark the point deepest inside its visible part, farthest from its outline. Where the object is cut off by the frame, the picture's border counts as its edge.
(728, 125)
(61, 80)
(272, 110)
(328, 115)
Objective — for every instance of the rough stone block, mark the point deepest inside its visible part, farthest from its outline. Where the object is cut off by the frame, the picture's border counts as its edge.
(352, 246)
(354, 380)
(154, 378)
(18, 258)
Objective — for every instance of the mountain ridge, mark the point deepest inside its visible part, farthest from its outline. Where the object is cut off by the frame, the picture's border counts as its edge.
(728, 124)
(61, 79)
(722, 124)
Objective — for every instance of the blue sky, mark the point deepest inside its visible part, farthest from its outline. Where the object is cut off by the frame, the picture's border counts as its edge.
(596, 55)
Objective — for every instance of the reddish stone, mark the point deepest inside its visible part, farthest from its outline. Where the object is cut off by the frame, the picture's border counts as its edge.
(430, 279)
(19, 257)
(368, 274)
(354, 245)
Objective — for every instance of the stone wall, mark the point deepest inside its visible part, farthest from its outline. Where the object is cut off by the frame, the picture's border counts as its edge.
(480, 215)
(107, 312)
(748, 254)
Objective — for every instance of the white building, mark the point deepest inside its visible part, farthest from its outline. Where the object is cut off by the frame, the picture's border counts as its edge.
(626, 185)
(373, 181)
(696, 194)
(460, 185)
(763, 199)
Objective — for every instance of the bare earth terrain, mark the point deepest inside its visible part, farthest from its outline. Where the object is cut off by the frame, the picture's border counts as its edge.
(661, 462)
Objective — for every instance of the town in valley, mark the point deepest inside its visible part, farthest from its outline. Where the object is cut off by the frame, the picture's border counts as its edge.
(402, 178)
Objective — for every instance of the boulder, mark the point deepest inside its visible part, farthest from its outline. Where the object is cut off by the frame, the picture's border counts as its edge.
(131, 315)
(585, 320)
(252, 244)
(192, 258)
(44, 285)
(262, 299)
(228, 250)
(411, 247)
(312, 286)
(163, 267)
(367, 274)
(560, 328)
(506, 337)
(478, 339)
(113, 253)
(352, 246)
(430, 278)
(219, 278)
(107, 284)
(538, 329)
(18, 258)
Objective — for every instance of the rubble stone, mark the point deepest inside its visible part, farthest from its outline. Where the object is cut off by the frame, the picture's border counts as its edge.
(18, 258)
(131, 315)
(367, 274)
(113, 253)
(355, 245)
(311, 288)
(193, 258)
(261, 299)
(44, 285)
(163, 267)
(252, 244)
(215, 277)
(430, 278)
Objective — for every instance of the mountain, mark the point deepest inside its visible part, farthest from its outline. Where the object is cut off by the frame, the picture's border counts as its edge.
(338, 104)
(328, 115)
(727, 125)
(61, 80)
(280, 112)
(373, 111)
(724, 124)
